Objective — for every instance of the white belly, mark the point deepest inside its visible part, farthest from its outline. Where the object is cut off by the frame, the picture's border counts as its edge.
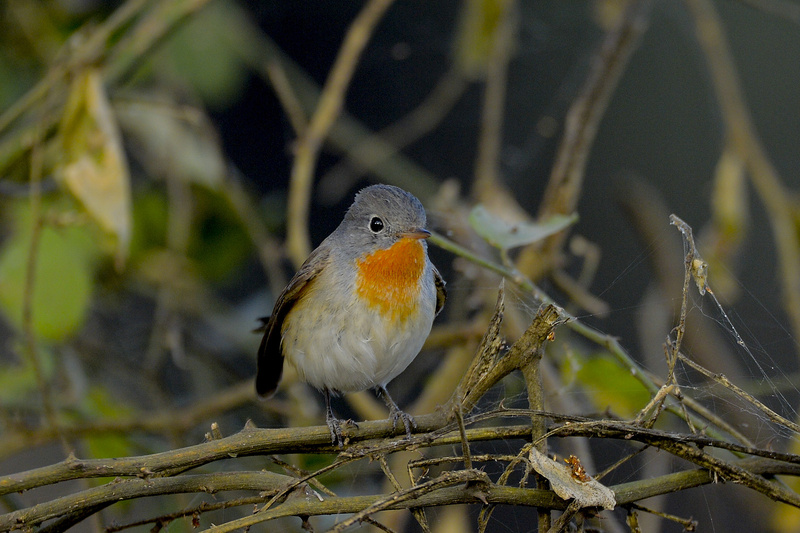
(352, 347)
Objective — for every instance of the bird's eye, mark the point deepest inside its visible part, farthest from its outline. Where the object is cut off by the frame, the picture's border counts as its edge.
(376, 224)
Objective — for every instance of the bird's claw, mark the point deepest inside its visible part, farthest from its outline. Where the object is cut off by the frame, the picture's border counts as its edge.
(335, 427)
(396, 415)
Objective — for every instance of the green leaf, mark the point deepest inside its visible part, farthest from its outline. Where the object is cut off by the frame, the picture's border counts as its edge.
(611, 386)
(208, 53)
(18, 381)
(505, 236)
(62, 282)
(100, 405)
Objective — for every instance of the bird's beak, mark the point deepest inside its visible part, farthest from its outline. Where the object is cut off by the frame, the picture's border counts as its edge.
(418, 233)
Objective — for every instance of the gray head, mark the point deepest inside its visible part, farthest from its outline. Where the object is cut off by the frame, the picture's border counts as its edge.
(381, 215)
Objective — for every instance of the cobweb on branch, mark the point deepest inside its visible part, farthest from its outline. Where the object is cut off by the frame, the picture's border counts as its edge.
(771, 380)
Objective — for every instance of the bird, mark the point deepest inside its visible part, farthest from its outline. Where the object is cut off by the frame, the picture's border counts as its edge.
(361, 306)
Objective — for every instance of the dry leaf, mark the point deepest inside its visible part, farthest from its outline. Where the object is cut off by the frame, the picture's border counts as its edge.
(174, 140)
(92, 162)
(588, 493)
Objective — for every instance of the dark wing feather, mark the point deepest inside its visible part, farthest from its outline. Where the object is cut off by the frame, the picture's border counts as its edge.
(441, 293)
(270, 355)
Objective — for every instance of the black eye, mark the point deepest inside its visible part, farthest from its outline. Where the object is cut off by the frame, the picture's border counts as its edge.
(376, 224)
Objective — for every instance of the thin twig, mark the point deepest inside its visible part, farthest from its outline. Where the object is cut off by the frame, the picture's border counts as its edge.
(330, 104)
(462, 430)
(204, 507)
(286, 95)
(419, 513)
(687, 523)
(29, 287)
(446, 479)
(137, 488)
(741, 393)
(583, 118)
(611, 344)
(487, 176)
(369, 154)
(157, 421)
(299, 472)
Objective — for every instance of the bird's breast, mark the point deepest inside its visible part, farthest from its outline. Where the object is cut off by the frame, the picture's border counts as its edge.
(389, 280)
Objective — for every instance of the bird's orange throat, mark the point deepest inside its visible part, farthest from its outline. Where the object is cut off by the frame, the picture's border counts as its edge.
(389, 280)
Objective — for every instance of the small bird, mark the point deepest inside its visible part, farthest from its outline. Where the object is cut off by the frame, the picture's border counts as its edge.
(361, 306)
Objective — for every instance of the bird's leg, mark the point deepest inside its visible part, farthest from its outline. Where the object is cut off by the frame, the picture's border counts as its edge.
(395, 413)
(334, 424)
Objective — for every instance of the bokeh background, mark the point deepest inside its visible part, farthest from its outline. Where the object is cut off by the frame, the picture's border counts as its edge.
(136, 332)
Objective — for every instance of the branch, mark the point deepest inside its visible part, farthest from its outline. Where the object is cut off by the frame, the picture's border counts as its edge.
(151, 422)
(263, 441)
(126, 489)
(583, 119)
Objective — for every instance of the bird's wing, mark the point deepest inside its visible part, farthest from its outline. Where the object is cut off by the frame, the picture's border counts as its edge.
(441, 293)
(270, 355)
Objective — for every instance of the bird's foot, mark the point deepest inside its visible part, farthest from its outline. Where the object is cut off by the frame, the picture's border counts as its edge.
(335, 427)
(395, 415)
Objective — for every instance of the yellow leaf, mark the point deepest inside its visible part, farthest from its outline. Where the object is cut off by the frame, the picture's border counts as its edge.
(786, 519)
(729, 207)
(479, 25)
(92, 163)
(729, 201)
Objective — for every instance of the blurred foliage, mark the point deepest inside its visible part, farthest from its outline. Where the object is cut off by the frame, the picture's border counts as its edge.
(66, 258)
(100, 404)
(787, 518)
(18, 380)
(479, 22)
(132, 177)
(207, 54)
